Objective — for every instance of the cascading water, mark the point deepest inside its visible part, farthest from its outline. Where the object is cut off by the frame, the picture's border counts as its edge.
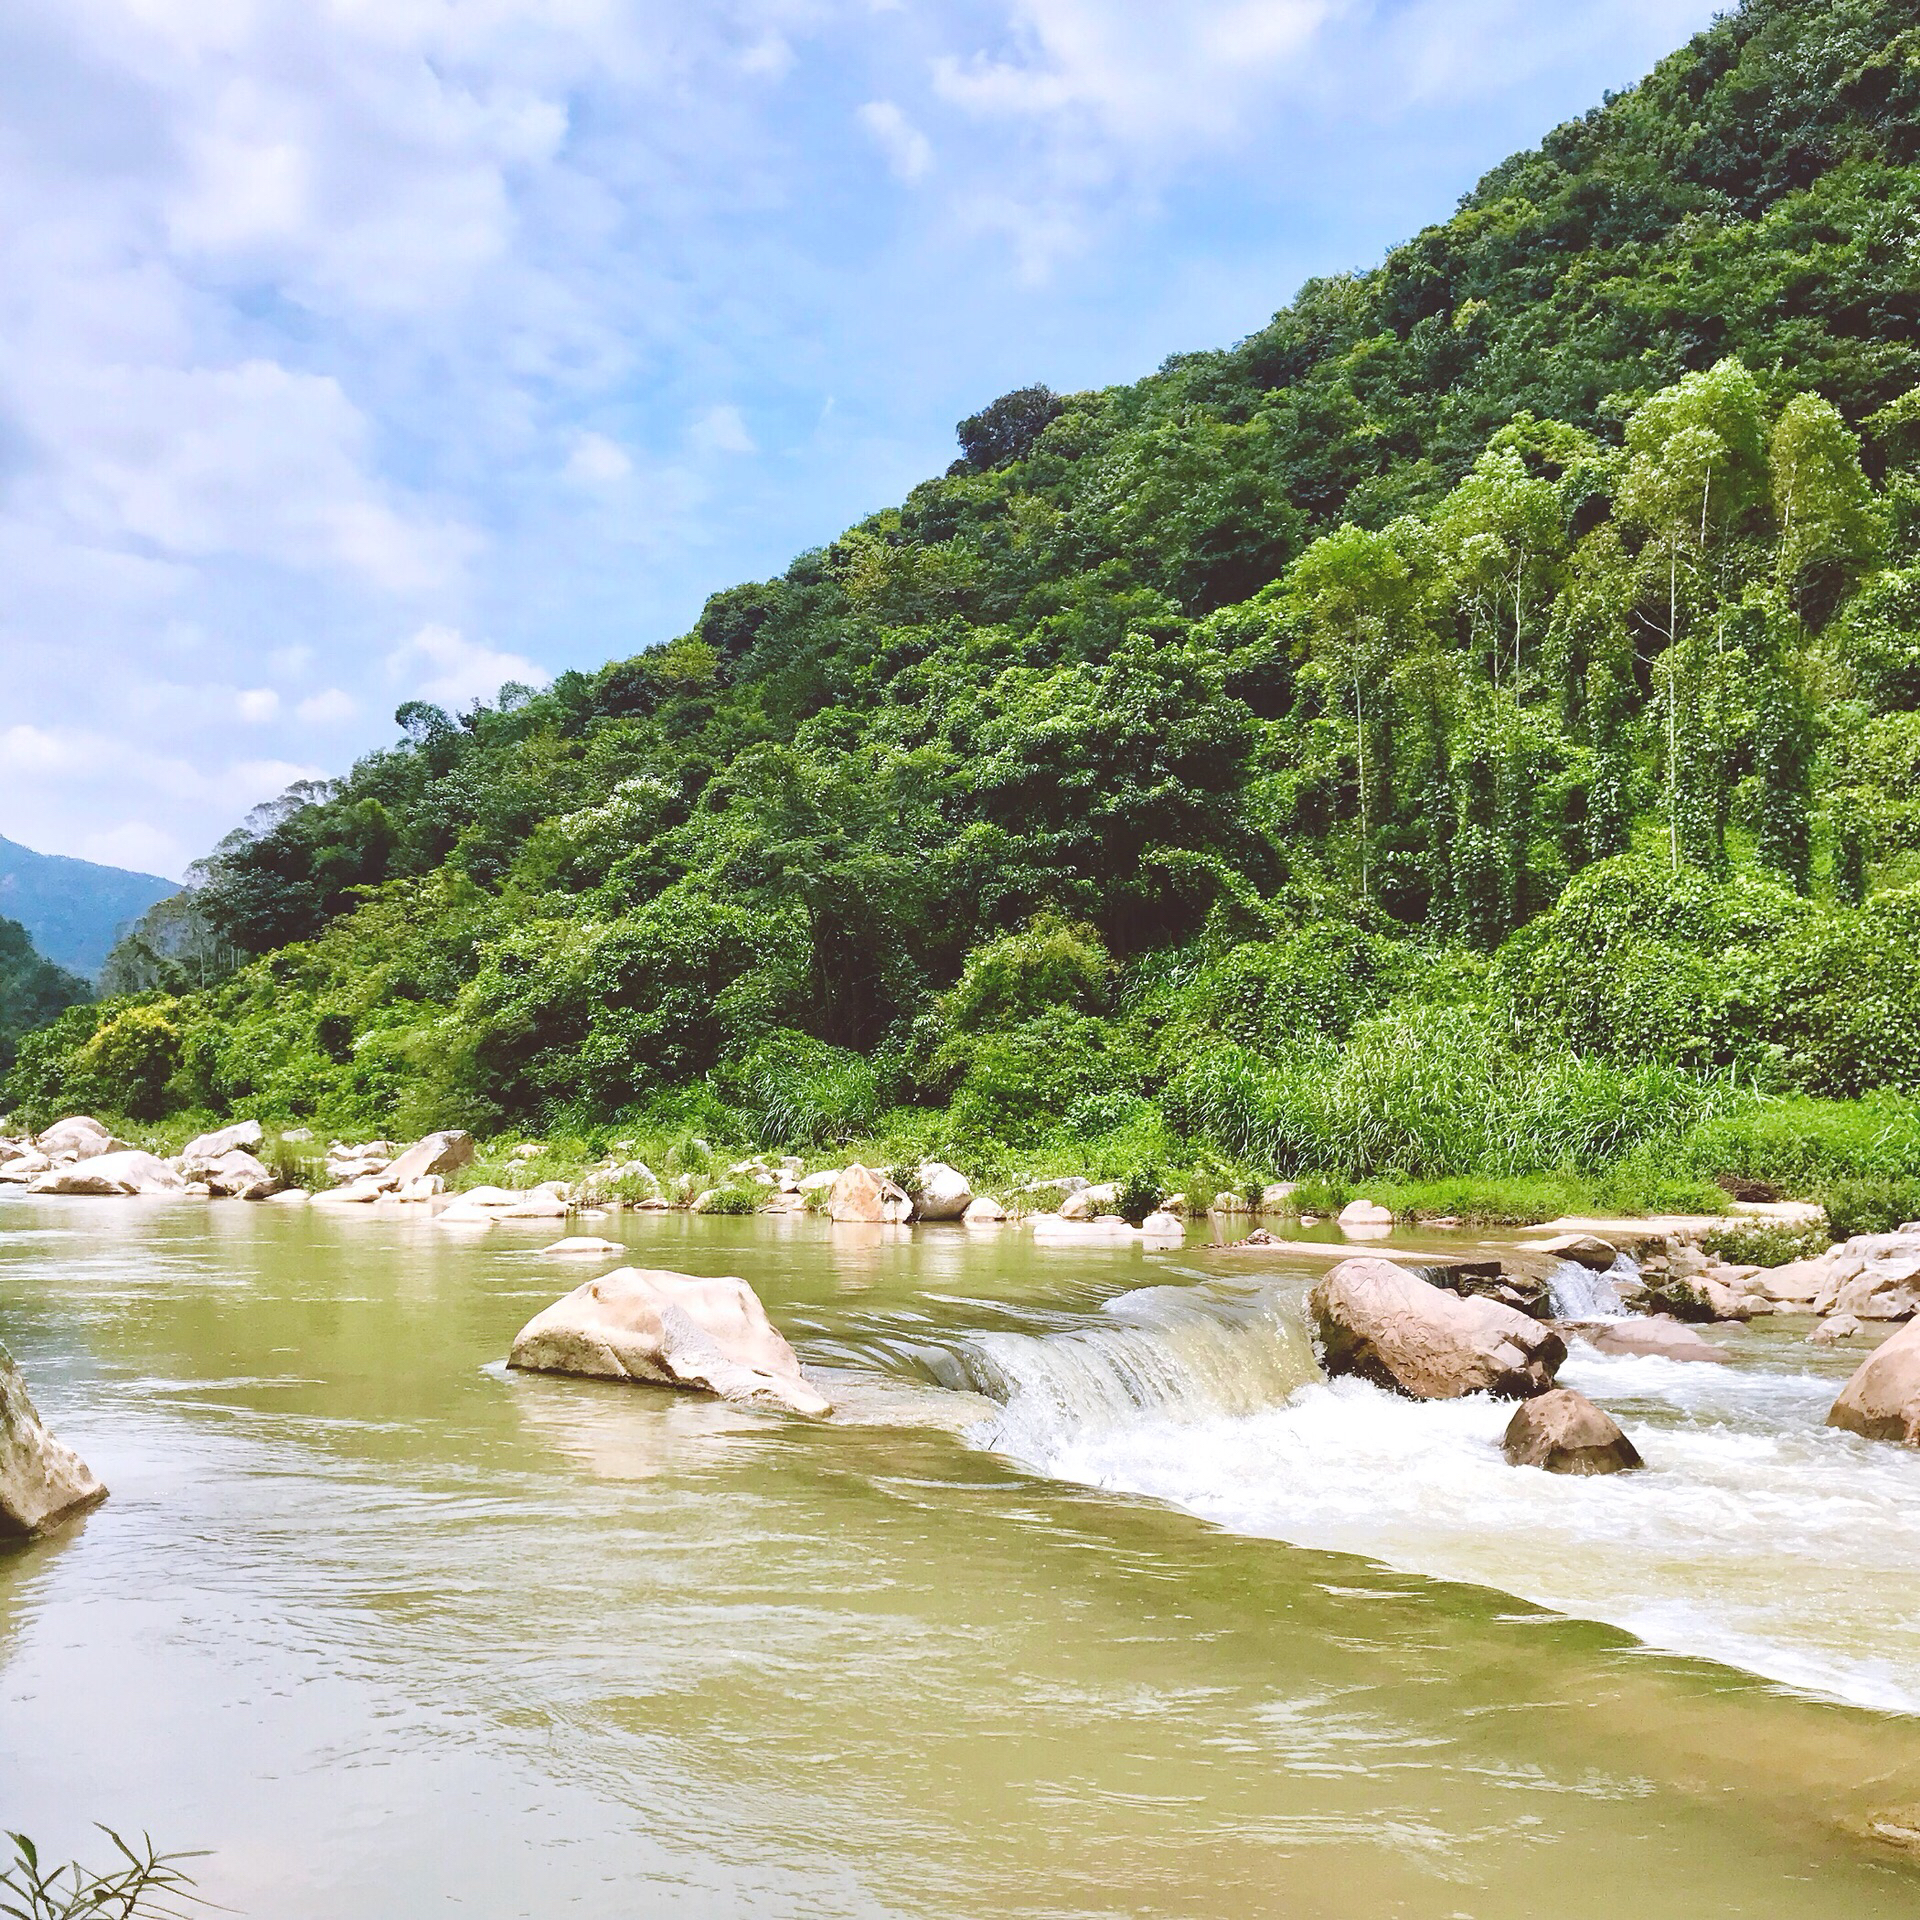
(1755, 1535)
(1578, 1293)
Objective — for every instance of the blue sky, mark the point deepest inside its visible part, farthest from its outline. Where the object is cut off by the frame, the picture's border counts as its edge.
(359, 350)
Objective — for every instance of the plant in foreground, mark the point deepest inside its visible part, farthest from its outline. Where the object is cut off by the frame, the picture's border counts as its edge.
(142, 1885)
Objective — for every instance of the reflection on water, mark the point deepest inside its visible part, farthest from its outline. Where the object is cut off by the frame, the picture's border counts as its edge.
(395, 1631)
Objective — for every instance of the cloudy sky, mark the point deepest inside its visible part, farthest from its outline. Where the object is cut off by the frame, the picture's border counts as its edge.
(359, 350)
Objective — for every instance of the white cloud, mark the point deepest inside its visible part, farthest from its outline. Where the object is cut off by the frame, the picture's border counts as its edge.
(597, 461)
(440, 664)
(257, 705)
(908, 151)
(327, 709)
(722, 429)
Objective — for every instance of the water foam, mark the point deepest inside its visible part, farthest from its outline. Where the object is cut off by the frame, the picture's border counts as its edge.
(1755, 1536)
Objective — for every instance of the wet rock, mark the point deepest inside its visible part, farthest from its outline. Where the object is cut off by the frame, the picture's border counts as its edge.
(1586, 1249)
(863, 1197)
(1882, 1400)
(945, 1193)
(79, 1137)
(1365, 1213)
(1231, 1203)
(1274, 1198)
(24, 1167)
(984, 1212)
(1562, 1431)
(1167, 1226)
(1694, 1295)
(583, 1246)
(1833, 1329)
(290, 1197)
(441, 1153)
(242, 1137)
(1088, 1203)
(356, 1193)
(115, 1175)
(1657, 1337)
(818, 1182)
(41, 1480)
(233, 1175)
(1379, 1321)
(671, 1329)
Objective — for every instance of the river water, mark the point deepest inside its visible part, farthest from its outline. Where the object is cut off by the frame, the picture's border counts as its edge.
(1096, 1600)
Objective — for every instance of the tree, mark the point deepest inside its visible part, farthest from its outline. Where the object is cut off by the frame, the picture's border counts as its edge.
(1004, 432)
(1829, 529)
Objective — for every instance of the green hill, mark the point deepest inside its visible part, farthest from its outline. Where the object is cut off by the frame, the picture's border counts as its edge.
(74, 910)
(1467, 728)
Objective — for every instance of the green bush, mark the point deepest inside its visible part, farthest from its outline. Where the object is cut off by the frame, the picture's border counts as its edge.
(1869, 1206)
(1021, 1083)
(808, 1094)
(732, 1200)
(1051, 963)
(1766, 1243)
(1141, 1191)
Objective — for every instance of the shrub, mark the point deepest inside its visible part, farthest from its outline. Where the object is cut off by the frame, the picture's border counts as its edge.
(732, 1200)
(1051, 963)
(809, 1094)
(1141, 1191)
(1021, 1083)
(1869, 1206)
(1766, 1243)
(132, 1056)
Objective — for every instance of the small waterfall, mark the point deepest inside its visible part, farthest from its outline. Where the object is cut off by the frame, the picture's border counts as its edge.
(1578, 1293)
(1173, 1353)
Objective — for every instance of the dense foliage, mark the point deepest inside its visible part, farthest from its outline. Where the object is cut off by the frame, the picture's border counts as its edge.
(1470, 726)
(32, 989)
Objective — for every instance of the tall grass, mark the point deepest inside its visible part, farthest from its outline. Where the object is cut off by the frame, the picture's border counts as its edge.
(141, 1885)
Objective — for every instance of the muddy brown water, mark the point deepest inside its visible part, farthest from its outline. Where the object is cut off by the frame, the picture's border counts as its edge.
(1097, 1602)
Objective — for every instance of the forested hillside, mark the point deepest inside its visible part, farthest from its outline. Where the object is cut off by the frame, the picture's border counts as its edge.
(1470, 726)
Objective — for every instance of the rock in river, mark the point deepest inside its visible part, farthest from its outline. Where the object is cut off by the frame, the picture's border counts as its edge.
(1384, 1324)
(862, 1196)
(79, 1137)
(441, 1153)
(1657, 1336)
(945, 1193)
(41, 1481)
(111, 1174)
(673, 1330)
(1564, 1432)
(242, 1137)
(1882, 1400)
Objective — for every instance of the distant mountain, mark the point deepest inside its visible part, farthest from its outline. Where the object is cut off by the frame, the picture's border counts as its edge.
(73, 909)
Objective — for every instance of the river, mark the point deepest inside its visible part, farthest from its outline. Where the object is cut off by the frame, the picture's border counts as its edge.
(1094, 1601)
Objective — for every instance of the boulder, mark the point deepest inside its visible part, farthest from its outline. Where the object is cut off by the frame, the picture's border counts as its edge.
(1658, 1337)
(79, 1137)
(1364, 1213)
(430, 1186)
(1797, 1285)
(233, 1175)
(1274, 1197)
(1079, 1206)
(583, 1246)
(1166, 1226)
(671, 1329)
(1564, 1432)
(24, 1167)
(1585, 1249)
(818, 1182)
(290, 1197)
(785, 1203)
(944, 1193)
(1382, 1323)
(861, 1196)
(111, 1175)
(1230, 1203)
(983, 1212)
(41, 1481)
(356, 1193)
(1882, 1400)
(1833, 1329)
(243, 1136)
(441, 1153)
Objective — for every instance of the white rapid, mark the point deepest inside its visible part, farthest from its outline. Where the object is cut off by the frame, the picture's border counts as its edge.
(1578, 1293)
(1755, 1536)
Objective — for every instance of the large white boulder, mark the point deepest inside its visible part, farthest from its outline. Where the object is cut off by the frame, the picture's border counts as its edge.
(1657, 1337)
(242, 1136)
(79, 1137)
(862, 1197)
(945, 1193)
(1882, 1400)
(671, 1329)
(24, 1167)
(234, 1175)
(111, 1176)
(984, 1212)
(41, 1481)
(440, 1153)
(1365, 1213)
(1382, 1323)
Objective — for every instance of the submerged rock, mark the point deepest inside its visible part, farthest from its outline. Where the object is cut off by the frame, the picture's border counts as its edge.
(1882, 1400)
(1382, 1323)
(945, 1193)
(41, 1480)
(111, 1176)
(861, 1196)
(669, 1329)
(1833, 1329)
(1657, 1337)
(585, 1246)
(1365, 1213)
(1562, 1431)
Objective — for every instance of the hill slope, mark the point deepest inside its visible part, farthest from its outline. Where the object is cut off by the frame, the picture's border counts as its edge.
(73, 910)
(1468, 726)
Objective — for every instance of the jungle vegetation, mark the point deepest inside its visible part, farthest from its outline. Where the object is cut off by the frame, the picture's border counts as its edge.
(1469, 728)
